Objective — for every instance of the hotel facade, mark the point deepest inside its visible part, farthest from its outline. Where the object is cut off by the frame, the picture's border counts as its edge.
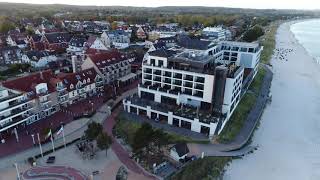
(195, 89)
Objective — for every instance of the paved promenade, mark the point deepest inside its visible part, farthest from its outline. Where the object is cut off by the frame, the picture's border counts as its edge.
(237, 146)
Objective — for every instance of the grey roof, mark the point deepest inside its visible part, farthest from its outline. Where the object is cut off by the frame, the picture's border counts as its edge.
(118, 33)
(37, 54)
(189, 43)
(162, 53)
(77, 41)
(182, 149)
(58, 37)
(36, 38)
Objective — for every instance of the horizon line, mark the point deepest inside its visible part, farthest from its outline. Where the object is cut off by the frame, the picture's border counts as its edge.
(225, 7)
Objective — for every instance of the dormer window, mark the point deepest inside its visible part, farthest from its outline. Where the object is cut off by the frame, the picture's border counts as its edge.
(71, 86)
(84, 82)
(88, 80)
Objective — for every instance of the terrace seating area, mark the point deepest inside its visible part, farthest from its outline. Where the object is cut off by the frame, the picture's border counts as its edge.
(185, 111)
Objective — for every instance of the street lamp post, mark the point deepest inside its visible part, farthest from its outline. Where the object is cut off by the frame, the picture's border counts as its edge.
(40, 144)
(33, 141)
(18, 173)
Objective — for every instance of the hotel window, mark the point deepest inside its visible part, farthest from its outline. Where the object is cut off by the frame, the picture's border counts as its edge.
(160, 63)
(244, 50)
(153, 62)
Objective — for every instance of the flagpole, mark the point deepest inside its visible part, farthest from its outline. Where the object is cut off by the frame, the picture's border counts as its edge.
(64, 139)
(51, 140)
(18, 173)
(40, 144)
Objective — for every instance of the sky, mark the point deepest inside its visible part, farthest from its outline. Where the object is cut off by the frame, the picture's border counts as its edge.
(255, 4)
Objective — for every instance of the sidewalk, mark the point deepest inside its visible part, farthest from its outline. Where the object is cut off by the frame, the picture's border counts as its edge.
(237, 146)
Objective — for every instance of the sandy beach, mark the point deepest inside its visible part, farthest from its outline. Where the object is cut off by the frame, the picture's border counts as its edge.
(289, 133)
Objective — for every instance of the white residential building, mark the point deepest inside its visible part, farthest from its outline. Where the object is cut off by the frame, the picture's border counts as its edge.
(117, 38)
(218, 33)
(76, 46)
(38, 59)
(15, 109)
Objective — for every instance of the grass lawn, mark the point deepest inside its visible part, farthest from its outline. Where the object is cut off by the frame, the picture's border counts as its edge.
(204, 169)
(268, 41)
(237, 119)
(126, 129)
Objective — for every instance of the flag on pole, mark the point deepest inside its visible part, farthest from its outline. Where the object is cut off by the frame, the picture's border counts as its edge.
(60, 131)
(49, 134)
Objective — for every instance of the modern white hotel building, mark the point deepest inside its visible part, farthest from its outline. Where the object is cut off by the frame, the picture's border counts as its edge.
(196, 89)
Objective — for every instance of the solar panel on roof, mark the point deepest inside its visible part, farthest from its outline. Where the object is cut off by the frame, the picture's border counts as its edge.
(78, 77)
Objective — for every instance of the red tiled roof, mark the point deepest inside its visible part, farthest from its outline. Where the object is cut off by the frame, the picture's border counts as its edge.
(105, 59)
(96, 51)
(27, 83)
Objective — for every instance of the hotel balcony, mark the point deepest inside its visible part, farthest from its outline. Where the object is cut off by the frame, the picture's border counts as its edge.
(6, 124)
(187, 92)
(157, 79)
(15, 112)
(157, 72)
(199, 86)
(188, 78)
(167, 74)
(199, 80)
(177, 82)
(62, 93)
(167, 80)
(178, 76)
(14, 104)
(61, 88)
(188, 84)
(149, 71)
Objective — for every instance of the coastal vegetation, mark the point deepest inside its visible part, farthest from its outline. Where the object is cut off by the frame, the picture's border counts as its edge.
(207, 168)
(268, 41)
(238, 118)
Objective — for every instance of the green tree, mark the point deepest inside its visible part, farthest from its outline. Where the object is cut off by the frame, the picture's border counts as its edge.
(114, 25)
(160, 138)
(30, 31)
(94, 129)
(142, 137)
(253, 34)
(104, 141)
(6, 26)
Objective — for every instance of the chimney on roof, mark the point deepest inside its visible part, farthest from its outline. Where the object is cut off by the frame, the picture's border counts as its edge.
(74, 65)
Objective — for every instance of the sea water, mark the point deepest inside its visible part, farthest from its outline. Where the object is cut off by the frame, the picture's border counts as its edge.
(308, 35)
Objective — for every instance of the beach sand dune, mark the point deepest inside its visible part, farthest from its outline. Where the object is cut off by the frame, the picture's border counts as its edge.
(289, 134)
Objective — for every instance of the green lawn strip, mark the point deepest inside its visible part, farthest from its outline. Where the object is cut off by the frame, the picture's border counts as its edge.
(268, 41)
(258, 80)
(204, 169)
(126, 129)
(237, 119)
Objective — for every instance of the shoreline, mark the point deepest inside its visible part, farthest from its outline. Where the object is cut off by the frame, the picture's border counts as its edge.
(298, 42)
(287, 132)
